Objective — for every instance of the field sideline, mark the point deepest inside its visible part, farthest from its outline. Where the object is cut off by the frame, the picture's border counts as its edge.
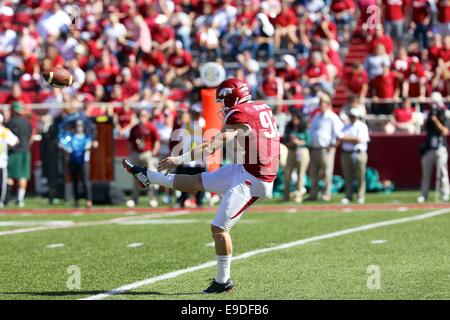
(312, 251)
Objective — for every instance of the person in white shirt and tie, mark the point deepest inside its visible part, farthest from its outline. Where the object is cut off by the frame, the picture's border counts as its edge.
(326, 129)
(355, 137)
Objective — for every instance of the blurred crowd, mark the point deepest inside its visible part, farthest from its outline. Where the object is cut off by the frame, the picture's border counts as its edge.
(148, 52)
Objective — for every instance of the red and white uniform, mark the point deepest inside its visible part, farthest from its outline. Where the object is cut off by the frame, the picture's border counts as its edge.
(252, 176)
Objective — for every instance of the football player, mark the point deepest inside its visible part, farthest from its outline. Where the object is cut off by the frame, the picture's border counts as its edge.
(253, 126)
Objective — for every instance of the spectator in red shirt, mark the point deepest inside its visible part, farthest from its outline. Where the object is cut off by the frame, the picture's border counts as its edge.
(441, 81)
(356, 81)
(400, 67)
(414, 84)
(17, 95)
(414, 49)
(56, 60)
(404, 119)
(30, 62)
(317, 72)
(246, 20)
(290, 72)
(90, 83)
(304, 30)
(326, 29)
(384, 86)
(179, 62)
(435, 48)
(444, 52)
(272, 86)
(394, 19)
(381, 38)
(343, 12)
(124, 119)
(293, 92)
(99, 93)
(107, 70)
(428, 69)
(421, 15)
(145, 144)
(332, 60)
(155, 61)
(285, 25)
(163, 35)
(116, 94)
(443, 17)
(130, 86)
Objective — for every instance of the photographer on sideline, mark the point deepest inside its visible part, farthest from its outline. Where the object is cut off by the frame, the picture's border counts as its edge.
(435, 151)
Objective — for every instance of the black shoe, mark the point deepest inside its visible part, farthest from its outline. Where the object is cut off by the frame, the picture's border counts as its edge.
(140, 174)
(216, 287)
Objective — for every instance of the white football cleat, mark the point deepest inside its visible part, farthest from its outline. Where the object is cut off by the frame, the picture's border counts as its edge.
(130, 204)
(153, 203)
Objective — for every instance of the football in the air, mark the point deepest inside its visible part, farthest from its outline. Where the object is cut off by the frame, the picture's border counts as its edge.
(58, 77)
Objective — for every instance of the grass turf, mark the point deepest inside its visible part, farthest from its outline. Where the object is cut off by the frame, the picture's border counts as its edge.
(414, 261)
(397, 197)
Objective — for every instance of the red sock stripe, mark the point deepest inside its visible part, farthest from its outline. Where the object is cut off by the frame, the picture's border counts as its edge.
(248, 204)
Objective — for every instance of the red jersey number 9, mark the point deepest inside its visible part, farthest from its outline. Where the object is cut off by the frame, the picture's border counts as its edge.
(267, 122)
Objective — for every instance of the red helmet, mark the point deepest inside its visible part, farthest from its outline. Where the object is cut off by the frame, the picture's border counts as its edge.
(232, 92)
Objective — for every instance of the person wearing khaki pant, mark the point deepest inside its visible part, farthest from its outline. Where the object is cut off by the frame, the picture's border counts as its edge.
(322, 166)
(438, 157)
(326, 129)
(354, 168)
(297, 140)
(145, 144)
(355, 137)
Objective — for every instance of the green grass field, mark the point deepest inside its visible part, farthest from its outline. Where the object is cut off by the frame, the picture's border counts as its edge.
(412, 256)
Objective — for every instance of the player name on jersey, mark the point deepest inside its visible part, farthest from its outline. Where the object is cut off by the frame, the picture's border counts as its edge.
(261, 144)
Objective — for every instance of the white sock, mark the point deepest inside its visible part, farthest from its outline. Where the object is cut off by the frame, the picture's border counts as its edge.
(223, 268)
(161, 179)
(21, 194)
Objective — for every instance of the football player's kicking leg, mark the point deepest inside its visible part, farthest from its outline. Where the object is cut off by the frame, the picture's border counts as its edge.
(227, 181)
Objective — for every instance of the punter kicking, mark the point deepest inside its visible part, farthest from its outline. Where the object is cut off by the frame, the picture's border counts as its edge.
(253, 126)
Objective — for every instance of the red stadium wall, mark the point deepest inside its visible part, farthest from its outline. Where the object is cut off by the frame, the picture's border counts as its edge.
(396, 157)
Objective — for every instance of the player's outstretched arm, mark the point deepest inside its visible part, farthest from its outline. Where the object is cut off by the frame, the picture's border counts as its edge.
(204, 150)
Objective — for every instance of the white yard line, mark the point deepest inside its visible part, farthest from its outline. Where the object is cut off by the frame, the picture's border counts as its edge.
(135, 245)
(95, 223)
(252, 253)
(378, 241)
(55, 245)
